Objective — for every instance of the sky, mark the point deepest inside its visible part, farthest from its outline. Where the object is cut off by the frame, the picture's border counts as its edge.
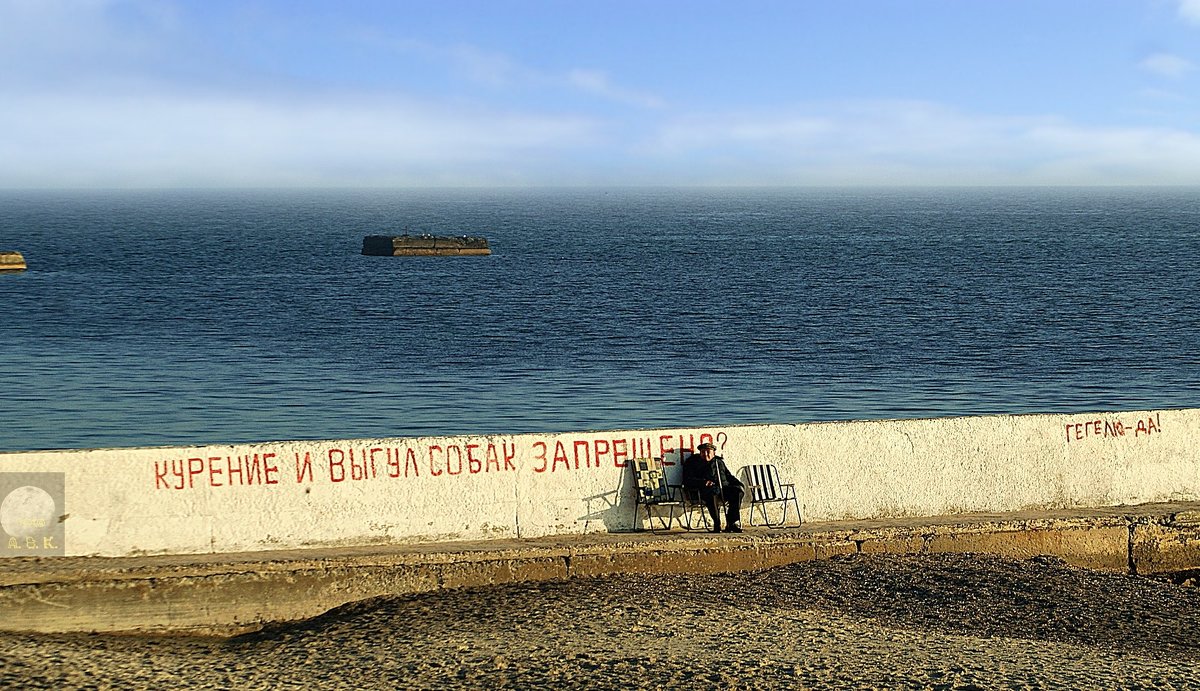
(415, 93)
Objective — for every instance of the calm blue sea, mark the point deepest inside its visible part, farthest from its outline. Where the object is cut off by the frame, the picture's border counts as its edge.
(195, 317)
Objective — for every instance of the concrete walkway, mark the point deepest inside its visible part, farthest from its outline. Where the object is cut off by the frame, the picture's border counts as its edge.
(222, 594)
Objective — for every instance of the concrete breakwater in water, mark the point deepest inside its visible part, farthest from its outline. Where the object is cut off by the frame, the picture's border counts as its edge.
(12, 261)
(424, 246)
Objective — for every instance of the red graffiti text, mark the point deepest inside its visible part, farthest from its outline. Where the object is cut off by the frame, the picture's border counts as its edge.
(1100, 429)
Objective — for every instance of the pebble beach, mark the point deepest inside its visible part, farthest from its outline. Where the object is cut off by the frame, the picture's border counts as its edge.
(863, 621)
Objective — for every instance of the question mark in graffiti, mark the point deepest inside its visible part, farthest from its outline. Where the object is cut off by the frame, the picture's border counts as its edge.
(721, 439)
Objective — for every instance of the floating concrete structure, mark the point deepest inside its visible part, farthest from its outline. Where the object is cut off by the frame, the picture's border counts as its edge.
(241, 529)
(424, 246)
(12, 261)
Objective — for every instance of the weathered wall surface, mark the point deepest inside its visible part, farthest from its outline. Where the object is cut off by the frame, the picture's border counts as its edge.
(380, 491)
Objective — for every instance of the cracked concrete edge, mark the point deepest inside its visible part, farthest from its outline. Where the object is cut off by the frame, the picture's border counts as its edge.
(228, 598)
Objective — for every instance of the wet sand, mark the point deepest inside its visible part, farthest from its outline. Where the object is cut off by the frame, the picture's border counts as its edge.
(903, 621)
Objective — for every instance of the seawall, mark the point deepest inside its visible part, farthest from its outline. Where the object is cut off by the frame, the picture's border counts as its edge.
(398, 491)
(222, 539)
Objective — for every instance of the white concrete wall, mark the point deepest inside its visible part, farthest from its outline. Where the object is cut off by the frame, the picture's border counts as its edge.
(378, 491)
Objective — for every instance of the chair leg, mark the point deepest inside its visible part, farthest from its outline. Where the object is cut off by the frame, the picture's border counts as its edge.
(773, 525)
(762, 508)
(666, 524)
(688, 509)
(795, 503)
(650, 517)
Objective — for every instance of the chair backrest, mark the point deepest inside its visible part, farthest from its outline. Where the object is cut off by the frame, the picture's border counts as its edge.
(650, 480)
(765, 479)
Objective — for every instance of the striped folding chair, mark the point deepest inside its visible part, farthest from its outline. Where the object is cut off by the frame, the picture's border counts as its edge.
(764, 487)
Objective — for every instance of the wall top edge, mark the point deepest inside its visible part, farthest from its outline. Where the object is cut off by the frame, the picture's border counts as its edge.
(1088, 415)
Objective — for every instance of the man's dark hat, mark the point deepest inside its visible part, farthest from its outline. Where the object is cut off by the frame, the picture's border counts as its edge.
(707, 445)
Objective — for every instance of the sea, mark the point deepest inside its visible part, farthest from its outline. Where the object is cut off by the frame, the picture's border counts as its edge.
(196, 317)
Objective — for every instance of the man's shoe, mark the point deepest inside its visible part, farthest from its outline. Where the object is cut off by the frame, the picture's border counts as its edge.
(734, 529)
(715, 529)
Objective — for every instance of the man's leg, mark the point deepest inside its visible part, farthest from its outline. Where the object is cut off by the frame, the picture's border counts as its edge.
(733, 506)
(710, 500)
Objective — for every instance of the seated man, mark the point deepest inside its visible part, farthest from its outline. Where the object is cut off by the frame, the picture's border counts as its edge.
(704, 472)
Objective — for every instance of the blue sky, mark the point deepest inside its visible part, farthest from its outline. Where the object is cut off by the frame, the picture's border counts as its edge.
(142, 93)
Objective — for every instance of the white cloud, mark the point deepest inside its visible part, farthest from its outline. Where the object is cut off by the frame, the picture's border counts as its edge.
(85, 105)
(1166, 65)
(1117, 155)
(598, 83)
(898, 143)
(160, 140)
(498, 70)
(490, 68)
(52, 41)
(721, 130)
(1190, 10)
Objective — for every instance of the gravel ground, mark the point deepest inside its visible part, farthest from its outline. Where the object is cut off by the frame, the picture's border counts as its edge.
(904, 621)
